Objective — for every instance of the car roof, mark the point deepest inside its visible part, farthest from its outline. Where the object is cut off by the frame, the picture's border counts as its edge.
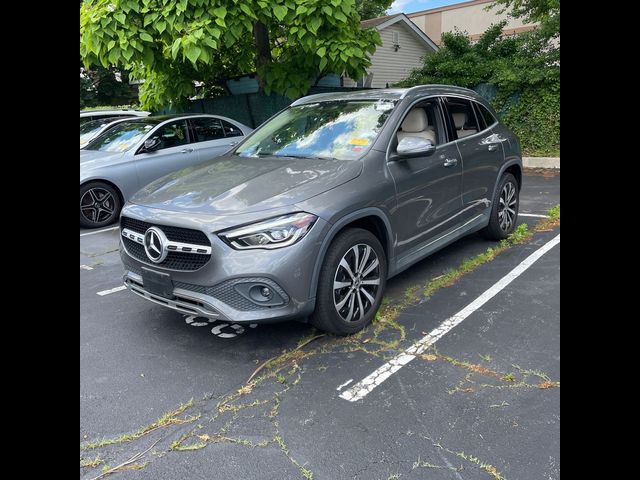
(137, 113)
(158, 119)
(387, 94)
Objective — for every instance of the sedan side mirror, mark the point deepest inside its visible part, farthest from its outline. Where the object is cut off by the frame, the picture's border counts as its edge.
(152, 144)
(410, 147)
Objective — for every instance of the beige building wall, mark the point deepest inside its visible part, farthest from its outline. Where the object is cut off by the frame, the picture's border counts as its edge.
(467, 16)
(389, 66)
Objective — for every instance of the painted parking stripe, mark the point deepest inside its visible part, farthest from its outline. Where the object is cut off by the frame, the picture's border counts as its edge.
(85, 267)
(112, 290)
(532, 215)
(366, 385)
(99, 231)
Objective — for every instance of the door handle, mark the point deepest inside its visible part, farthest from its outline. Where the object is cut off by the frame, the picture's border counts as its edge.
(450, 162)
(186, 150)
(492, 147)
(232, 143)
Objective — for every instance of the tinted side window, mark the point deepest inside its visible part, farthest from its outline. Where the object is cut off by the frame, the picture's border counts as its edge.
(206, 129)
(486, 115)
(172, 135)
(463, 116)
(231, 130)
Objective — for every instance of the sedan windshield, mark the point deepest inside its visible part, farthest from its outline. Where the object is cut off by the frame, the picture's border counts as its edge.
(89, 129)
(121, 137)
(342, 130)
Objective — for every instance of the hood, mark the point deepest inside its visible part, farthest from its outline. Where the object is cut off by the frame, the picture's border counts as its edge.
(231, 185)
(95, 158)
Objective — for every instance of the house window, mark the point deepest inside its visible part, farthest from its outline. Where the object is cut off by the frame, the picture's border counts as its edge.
(396, 41)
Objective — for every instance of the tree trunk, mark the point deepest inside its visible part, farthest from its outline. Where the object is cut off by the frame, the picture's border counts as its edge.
(263, 49)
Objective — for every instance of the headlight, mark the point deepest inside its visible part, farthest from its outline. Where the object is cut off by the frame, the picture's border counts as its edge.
(274, 233)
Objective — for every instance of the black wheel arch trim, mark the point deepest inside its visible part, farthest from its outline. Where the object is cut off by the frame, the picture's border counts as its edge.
(336, 228)
(505, 165)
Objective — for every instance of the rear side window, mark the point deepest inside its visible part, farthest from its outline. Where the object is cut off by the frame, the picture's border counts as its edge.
(230, 130)
(207, 129)
(462, 116)
(485, 115)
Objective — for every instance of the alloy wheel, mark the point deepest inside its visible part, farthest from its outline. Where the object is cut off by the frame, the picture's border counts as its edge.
(356, 282)
(507, 207)
(97, 205)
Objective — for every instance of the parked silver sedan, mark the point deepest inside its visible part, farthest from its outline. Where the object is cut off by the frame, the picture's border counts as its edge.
(133, 153)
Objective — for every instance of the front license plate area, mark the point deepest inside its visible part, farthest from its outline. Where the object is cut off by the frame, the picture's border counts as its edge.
(157, 283)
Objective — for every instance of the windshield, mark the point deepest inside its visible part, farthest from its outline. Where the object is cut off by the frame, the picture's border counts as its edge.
(89, 129)
(342, 130)
(121, 137)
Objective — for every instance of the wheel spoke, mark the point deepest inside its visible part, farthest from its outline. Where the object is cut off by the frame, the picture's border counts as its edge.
(370, 268)
(360, 306)
(93, 196)
(356, 259)
(365, 258)
(368, 295)
(345, 265)
(351, 305)
(343, 301)
(375, 281)
(338, 285)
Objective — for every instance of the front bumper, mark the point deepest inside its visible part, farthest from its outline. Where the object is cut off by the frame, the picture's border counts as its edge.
(217, 290)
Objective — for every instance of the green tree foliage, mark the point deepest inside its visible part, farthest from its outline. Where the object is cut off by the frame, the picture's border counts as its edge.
(524, 69)
(372, 8)
(545, 12)
(172, 43)
(104, 86)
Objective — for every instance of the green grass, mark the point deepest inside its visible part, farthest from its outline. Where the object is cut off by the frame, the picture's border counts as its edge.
(169, 418)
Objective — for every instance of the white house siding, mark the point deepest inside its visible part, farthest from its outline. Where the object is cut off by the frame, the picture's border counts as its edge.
(389, 66)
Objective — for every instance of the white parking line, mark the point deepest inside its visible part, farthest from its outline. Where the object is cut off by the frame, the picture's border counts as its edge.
(532, 215)
(99, 231)
(340, 387)
(112, 290)
(85, 267)
(366, 385)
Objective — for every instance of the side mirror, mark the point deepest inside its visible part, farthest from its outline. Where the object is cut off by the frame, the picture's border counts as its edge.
(410, 147)
(151, 144)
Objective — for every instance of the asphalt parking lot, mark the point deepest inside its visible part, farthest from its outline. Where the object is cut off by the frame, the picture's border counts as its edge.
(167, 395)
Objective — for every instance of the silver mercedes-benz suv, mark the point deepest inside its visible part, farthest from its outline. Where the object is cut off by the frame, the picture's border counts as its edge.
(310, 215)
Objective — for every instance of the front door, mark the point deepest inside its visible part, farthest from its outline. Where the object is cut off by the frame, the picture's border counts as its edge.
(175, 152)
(428, 189)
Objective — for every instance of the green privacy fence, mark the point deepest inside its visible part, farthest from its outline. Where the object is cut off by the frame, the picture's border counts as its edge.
(249, 108)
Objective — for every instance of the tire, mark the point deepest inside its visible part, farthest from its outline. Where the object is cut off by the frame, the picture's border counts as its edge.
(503, 222)
(347, 318)
(100, 205)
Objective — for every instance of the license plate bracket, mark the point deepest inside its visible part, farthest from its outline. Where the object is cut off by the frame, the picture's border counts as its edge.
(157, 283)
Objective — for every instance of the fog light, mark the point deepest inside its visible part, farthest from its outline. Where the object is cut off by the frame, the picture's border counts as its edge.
(266, 292)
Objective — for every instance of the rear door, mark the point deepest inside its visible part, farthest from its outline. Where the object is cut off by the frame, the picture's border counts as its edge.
(175, 152)
(481, 152)
(213, 136)
(428, 189)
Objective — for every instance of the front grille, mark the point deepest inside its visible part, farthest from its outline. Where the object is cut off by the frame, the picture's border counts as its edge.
(175, 260)
(176, 234)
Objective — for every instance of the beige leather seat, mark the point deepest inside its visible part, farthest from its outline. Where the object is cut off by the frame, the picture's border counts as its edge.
(460, 120)
(416, 124)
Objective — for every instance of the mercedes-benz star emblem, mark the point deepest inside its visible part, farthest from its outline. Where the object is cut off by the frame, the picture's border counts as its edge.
(154, 242)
